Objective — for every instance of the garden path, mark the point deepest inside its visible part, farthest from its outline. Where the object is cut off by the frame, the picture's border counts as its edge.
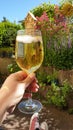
(56, 119)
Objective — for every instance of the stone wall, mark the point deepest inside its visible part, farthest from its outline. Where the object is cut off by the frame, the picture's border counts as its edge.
(65, 75)
(62, 75)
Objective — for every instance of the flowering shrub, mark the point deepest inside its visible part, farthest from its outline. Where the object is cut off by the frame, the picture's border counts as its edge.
(67, 9)
(53, 25)
(58, 39)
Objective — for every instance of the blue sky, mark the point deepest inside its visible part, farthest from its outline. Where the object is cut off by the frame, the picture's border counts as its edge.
(16, 10)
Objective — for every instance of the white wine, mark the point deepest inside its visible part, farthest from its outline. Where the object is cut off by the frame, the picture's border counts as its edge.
(29, 57)
(29, 52)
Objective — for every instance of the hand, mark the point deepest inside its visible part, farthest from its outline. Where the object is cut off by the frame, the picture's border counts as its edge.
(15, 86)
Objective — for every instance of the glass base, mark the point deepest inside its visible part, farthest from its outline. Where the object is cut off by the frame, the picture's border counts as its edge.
(26, 108)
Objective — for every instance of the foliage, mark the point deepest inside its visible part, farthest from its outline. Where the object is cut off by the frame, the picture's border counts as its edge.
(8, 32)
(57, 39)
(53, 77)
(42, 78)
(70, 111)
(61, 59)
(47, 7)
(6, 51)
(57, 95)
(54, 24)
(67, 9)
(45, 79)
(65, 1)
(13, 67)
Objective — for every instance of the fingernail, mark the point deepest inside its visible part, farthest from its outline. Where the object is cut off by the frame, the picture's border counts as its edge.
(36, 89)
(37, 86)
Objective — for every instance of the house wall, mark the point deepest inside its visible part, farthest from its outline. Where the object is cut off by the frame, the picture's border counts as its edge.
(29, 22)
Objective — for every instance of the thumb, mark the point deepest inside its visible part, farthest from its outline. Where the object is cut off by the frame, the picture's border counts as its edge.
(28, 80)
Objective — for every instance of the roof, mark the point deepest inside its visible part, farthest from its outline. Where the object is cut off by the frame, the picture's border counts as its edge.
(32, 15)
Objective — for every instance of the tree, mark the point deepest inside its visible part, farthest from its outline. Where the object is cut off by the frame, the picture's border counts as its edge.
(4, 19)
(65, 1)
(45, 7)
(8, 32)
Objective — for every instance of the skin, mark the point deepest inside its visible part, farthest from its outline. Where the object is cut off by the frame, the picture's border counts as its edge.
(13, 90)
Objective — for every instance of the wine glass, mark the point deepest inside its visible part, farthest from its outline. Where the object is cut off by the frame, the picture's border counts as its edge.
(29, 57)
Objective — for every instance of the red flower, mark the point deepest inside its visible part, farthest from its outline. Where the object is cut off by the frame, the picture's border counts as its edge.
(54, 25)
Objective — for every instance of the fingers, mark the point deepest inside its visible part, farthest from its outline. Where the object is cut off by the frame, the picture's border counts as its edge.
(28, 80)
(20, 75)
(33, 87)
(27, 95)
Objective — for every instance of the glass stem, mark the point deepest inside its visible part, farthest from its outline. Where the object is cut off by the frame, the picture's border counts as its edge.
(29, 101)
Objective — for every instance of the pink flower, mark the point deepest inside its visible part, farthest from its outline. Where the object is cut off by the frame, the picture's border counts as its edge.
(43, 17)
(54, 25)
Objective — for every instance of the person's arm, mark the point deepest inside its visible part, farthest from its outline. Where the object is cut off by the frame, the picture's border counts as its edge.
(13, 90)
(4, 92)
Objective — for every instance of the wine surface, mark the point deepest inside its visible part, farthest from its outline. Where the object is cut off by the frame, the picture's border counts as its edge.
(29, 52)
